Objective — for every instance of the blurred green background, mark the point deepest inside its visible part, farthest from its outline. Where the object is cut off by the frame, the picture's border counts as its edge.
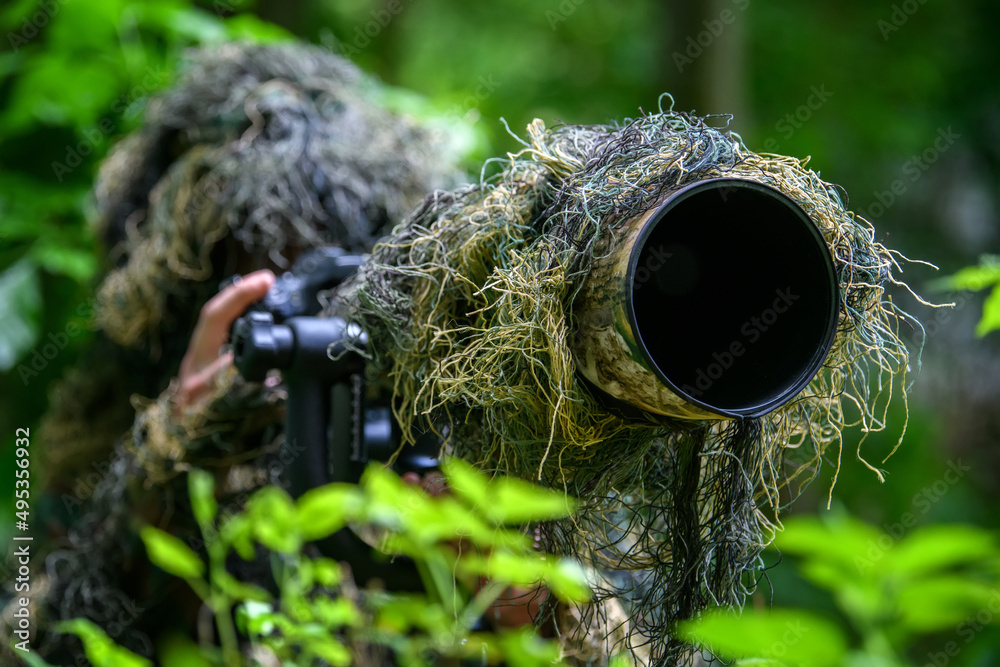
(898, 102)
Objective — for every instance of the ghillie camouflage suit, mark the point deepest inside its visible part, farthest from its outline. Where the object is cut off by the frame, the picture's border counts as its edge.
(471, 304)
(255, 154)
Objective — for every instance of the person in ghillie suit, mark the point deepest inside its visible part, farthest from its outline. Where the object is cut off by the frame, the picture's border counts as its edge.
(255, 154)
(475, 285)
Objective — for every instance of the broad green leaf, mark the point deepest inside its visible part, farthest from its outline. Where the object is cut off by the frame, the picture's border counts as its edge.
(201, 486)
(43, 93)
(567, 580)
(20, 305)
(792, 636)
(938, 547)
(329, 650)
(100, 649)
(249, 27)
(179, 651)
(273, 518)
(973, 278)
(942, 602)
(861, 599)
(524, 648)
(326, 509)
(399, 613)
(239, 589)
(564, 577)
(255, 617)
(170, 554)
(839, 539)
(327, 572)
(336, 612)
(467, 482)
(991, 314)
(76, 263)
(237, 530)
(516, 501)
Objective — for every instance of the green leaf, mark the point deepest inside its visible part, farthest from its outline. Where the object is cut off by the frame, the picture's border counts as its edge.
(329, 651)
(237, 531)
(249, 27)
(399, 613)
(201, 487)
(335, 613)
(238, 589)
(467, 482)
(43, 93)
(942, 602)
(184, 21)
(973, 278)
(255, 617)
(179, 651)
(100, 650)
(524, 648)
(327, 572)
(563, 576)
(20, 307)
(274, 520)
(991, 314)
(326, 509)
(80, 265)
(793, 636)
(849, 544)
(516, 501)
(939, 547)
(505, 499)
(170, 554)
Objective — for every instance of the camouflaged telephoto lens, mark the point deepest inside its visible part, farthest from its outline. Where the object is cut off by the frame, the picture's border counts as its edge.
(721, 300)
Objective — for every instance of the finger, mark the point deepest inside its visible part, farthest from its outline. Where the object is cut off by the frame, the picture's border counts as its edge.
(435, 484)
(197, 386)
(219, 313)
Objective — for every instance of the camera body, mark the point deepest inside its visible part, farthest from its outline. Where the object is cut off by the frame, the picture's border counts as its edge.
(335, 427)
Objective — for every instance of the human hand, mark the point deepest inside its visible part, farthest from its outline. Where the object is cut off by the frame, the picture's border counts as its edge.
(202, 361)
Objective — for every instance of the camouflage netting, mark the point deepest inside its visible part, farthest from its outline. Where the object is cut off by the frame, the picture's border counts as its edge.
(470, 302)
(254, 154)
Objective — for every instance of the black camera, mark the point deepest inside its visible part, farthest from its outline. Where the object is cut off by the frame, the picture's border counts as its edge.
(331, 420)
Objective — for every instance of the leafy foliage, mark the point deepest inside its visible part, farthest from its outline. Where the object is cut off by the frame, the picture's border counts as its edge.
(985, 275)
(318, 617)
(891, 591)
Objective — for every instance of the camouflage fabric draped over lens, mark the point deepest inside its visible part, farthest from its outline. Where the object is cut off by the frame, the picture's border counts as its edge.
(471, 304)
